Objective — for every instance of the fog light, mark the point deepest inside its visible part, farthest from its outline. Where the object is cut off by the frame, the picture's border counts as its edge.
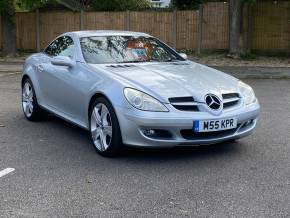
(149, 132)
(157, 134)
(248, 123)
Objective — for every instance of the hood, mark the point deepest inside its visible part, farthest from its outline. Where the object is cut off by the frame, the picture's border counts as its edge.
(175, 79)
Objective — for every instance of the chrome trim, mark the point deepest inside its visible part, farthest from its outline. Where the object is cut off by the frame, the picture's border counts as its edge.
(187, 103)
(230, 100)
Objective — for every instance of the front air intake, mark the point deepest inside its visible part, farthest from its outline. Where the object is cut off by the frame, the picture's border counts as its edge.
(184, 103)
(230, 100)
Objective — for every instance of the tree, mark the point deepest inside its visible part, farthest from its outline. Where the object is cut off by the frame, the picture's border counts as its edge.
(7, 12)
(75, 5)
(235, 12)
(236, 26)
(119, 5)
(186, 4)
(8, 8)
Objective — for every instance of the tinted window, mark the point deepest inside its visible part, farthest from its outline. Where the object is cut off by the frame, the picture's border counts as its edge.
(62, 46)
(122, 49)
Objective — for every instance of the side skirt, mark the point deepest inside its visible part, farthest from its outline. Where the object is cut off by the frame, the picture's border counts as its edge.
(65, 118)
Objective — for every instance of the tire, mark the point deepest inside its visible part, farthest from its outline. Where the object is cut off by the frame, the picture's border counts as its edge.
(233, 141)
(104, 128)
(30, 107)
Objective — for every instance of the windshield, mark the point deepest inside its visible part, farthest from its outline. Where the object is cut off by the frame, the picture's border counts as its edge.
(125, 49)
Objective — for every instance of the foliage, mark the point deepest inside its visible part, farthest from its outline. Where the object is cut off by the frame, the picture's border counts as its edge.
(251, 2)
(247, 56)
(30, 4)
(187, 4)
(6, 7)
(119, 5)
(194, 4)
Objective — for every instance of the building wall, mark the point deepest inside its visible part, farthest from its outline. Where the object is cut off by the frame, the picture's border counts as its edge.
(160, 3)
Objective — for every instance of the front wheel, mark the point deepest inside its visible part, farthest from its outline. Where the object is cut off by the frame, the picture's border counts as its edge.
(104, 128)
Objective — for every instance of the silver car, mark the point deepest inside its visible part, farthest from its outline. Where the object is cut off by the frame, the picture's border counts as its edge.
(131, 88)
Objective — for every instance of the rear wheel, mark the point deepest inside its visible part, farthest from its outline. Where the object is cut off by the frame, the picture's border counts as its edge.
(104, 128)
(30, 107)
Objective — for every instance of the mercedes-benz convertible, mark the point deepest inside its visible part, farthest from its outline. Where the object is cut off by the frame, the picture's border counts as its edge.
(129, 88)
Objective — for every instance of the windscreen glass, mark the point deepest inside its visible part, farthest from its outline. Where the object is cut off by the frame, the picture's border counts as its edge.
(125, 49)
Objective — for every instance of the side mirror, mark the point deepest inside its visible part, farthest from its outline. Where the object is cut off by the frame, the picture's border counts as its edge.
(62, 61)
(183, 55)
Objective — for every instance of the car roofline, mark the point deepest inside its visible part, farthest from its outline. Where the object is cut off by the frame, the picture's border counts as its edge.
(90, 33)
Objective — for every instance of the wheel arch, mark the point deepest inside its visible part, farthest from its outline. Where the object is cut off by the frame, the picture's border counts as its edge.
(118, 131)
(34, 84)
(93, 98)
(24, 77)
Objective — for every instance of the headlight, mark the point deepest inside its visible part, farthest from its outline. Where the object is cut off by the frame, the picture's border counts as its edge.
(142, 101)
(247, 93)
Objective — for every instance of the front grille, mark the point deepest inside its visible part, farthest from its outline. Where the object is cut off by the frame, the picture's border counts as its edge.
(181, 99)
(188, 103)
(230, 104)
(189, 134)
(230, 100)
(184, 103)
(186, 107)
(230, 95)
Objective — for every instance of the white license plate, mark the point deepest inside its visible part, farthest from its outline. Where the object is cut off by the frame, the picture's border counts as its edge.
(214, 125)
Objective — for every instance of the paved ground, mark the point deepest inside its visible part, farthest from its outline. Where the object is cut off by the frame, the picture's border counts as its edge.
(10, 67)
(58, 174)
(242, 72)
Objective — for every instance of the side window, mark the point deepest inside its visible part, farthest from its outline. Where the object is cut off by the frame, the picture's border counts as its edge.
(62, 46)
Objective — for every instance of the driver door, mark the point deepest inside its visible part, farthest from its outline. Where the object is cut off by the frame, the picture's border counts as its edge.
(58, 82)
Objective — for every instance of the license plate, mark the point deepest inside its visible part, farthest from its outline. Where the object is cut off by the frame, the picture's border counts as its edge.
(214, 125)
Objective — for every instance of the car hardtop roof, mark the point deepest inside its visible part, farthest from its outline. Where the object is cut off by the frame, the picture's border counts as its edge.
(89, 33)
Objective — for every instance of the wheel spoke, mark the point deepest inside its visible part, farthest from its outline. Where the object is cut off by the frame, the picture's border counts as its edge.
(26, 109)
(108, 130)
(96, 134)
(97, 116)
(24, 105)
(27, 92)
(30, 105)
(104, 113)
(24, 96)
(24, 92)
(104, 142)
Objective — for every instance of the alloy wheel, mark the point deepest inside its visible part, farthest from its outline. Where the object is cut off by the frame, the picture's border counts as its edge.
(27, 99)
(101, 127)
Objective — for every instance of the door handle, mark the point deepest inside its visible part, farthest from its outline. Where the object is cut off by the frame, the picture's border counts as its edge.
(40, 68)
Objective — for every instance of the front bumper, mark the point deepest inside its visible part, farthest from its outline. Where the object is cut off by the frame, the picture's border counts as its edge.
(178, 124)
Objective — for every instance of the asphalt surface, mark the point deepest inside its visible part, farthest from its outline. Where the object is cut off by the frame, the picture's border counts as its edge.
(242, 72)
(58, 173)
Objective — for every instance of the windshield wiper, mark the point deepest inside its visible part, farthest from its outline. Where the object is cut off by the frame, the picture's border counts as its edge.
(171, 60)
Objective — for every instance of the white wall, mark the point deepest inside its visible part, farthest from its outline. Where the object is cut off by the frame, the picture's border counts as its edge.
(160, 3)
